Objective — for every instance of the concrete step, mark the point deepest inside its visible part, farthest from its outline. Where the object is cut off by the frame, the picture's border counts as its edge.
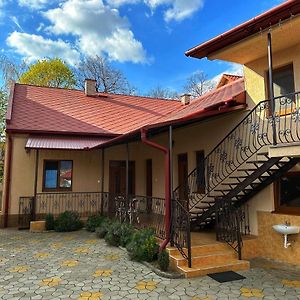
(214, 267)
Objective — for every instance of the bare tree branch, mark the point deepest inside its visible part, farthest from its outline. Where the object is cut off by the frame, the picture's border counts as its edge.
(198, 84)
(163, 93)
(109, 79)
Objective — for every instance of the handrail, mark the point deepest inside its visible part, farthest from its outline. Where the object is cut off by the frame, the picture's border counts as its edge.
(246, 138)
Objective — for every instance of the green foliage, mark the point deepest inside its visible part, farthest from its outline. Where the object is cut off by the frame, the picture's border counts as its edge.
(93, 222)
(143, 246)
(114, 234)
(68, 221)
(127, 232)
(49, 222)
(163, 260)
(52, 73)
(102, 230)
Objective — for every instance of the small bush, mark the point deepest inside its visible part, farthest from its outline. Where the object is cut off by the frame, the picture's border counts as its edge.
(143, 246)
(102, 230)
(49, 222)
(68, 221)
(93, 222)
(163, 260)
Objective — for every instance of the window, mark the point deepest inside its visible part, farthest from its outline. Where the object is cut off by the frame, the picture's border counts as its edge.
(200, 172)
(283, 83)
(288, 193)
(58, 175)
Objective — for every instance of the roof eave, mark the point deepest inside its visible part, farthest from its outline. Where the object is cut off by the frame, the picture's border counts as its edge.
(255, 25)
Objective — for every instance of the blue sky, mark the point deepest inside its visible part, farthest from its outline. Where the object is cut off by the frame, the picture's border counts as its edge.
(146, 39)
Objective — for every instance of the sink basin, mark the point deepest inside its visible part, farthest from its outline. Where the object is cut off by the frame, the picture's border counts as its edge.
(286, 229)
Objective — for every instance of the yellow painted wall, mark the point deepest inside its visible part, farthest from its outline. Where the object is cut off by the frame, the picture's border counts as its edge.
(255, 73)
(86, 170)
(256, 82)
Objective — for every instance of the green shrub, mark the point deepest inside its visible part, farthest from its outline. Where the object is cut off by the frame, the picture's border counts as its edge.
(143, 246)
(163, 260)
(113, 235)
(68, 221)
(127, 231)
(49, 222)
(102, 230)
(93, 222)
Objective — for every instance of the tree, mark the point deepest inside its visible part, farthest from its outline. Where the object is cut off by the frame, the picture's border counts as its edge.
(11, 71)
(108, 79)
(198, 84)
(3, 107)
(52, 73)
(163, 93)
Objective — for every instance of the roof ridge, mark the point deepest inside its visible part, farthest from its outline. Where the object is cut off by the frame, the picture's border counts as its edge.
(98, 93)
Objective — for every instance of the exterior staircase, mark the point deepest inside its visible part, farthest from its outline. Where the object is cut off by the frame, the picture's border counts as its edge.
(207, 259)
(237, 169)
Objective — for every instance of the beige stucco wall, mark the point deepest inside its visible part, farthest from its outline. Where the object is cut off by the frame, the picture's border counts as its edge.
(86, 171)
(255, 73)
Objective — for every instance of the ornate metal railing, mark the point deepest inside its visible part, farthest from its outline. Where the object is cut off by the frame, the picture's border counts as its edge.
(247, 138)
(25, 212)
(228, 225)
(257, 129)
(140, 211)
(85, 203)
(180, 229)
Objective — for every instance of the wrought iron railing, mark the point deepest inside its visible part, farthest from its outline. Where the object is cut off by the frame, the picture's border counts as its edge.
(85, 203)
(180, 229)
(140, 211)
(247, 138)
(257, 129)
(228, 225)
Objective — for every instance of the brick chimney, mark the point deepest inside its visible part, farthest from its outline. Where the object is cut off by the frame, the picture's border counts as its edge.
(185, 99)
(90, 87)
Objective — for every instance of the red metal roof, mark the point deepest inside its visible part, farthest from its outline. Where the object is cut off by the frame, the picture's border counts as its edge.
(216, 102)
(66, 143)
(227, 78)
(63, 111)
(211, 100)
(263, 21)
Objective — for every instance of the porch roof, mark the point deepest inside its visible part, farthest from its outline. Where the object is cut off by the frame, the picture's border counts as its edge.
(63, 143)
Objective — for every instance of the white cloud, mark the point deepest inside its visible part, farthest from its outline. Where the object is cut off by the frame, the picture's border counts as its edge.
(34, 47)
(16, 22)
(177, 10)
(98, 28)
(33, 4)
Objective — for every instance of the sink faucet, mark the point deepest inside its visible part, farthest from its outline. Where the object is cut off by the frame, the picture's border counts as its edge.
(287, 223)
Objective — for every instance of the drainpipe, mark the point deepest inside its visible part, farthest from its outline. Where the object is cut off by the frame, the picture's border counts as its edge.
(8, 179)
(167, 184)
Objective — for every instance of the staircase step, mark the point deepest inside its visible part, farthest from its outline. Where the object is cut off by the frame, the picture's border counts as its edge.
(256, 161)
(202, 270)
(204, 259)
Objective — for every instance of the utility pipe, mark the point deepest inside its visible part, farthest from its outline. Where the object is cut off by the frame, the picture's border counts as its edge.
(8, 179)
(167, 184)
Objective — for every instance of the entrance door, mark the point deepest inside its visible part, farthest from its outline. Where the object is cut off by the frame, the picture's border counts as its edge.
(182, 175)
(117, 181)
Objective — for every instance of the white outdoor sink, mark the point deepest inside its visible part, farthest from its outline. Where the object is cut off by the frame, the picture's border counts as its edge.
(286, 229)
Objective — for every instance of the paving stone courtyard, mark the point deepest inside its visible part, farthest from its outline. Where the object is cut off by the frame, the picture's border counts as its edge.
(80, 266)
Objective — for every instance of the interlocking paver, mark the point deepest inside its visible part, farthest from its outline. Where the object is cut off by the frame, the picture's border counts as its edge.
(79, 266)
